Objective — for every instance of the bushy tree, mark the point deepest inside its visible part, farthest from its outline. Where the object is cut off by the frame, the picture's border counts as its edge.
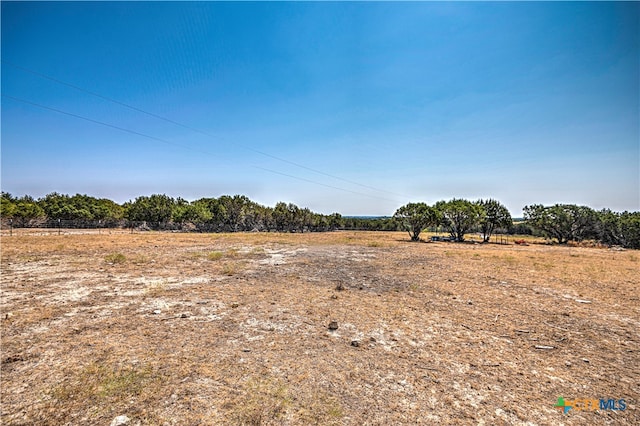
(334, 221)
(494, 215)
(630, 229)
(235, 208)
(564, 222)
(24, 210)
(287, 217)
(414, 217)
(7, 206)
(191, 212)
(215, 208)
(80, 207)
(155, 208)
(621, 229)
(459, 216)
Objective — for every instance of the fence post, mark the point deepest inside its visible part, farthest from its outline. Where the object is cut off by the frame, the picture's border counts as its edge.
(10, 227)
(59, 230)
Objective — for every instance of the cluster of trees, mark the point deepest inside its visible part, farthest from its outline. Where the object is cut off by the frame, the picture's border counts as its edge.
(229, 214)
(457, 216)
(562, 222)
(25, 210)
(226, 213)
(568, 222)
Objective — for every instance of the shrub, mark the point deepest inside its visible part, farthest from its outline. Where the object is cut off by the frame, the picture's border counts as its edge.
(115, 258)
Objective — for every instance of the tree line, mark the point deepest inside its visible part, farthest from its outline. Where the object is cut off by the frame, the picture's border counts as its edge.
(159, 211)
(562, 222)
(456, 217)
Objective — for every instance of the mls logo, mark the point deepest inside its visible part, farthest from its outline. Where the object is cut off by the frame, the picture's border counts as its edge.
(590, 404)
(612, 404)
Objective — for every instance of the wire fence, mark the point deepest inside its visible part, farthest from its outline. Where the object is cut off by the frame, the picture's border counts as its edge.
(49, 226)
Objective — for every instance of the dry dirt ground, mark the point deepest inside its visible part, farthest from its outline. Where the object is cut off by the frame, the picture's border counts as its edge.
(215, 329)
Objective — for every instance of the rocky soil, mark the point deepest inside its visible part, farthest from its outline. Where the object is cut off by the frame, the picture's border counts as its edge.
(344, 328)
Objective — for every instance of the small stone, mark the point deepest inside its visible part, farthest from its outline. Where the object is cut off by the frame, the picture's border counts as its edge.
(184, 315)
(234, 305)
(568, 363)
(120, 421)
(372, 339)
(333, 325)
(355, 343)
(585, 360)
(157, 312)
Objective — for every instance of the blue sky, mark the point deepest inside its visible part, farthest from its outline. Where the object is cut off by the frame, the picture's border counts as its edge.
(370, 105)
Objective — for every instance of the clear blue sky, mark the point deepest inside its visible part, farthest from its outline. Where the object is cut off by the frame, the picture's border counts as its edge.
(522, 102)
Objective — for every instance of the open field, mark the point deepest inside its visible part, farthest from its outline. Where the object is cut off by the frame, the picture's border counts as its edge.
(192, 329)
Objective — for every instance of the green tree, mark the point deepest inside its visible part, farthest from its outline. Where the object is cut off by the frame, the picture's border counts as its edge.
(459, 216)
(630, 229)
(155, 208)
(494, 216)
(235, 209)
(621, 229)
(80, 207)
(414, 217)
(7, 206)
(56, 206)
(191, 212)
(335, 221)
(564, 222)
(281, 216)
(27, 210)
(216, 210)
(105, 209)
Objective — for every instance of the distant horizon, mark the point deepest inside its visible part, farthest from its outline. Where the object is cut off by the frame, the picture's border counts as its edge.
(358, 108)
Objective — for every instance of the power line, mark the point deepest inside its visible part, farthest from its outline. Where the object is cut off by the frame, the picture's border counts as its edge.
(318, 183)
(193, 129)
(133, 132)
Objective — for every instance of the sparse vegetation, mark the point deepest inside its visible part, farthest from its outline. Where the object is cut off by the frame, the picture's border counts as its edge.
(264, 401)
(420, 325)
(115, 258)
(230, 268)
(215, 255)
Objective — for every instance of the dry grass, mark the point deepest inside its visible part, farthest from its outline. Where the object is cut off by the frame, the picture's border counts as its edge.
(233, 329)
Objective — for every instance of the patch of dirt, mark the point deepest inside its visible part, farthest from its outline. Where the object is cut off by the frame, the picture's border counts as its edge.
(235, 329)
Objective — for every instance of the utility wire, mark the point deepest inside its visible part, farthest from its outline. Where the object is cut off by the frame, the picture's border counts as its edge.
(318, 183)
(133, 132)
(193, 129)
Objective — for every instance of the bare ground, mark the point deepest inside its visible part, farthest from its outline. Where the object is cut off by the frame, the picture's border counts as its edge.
(234, 329)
